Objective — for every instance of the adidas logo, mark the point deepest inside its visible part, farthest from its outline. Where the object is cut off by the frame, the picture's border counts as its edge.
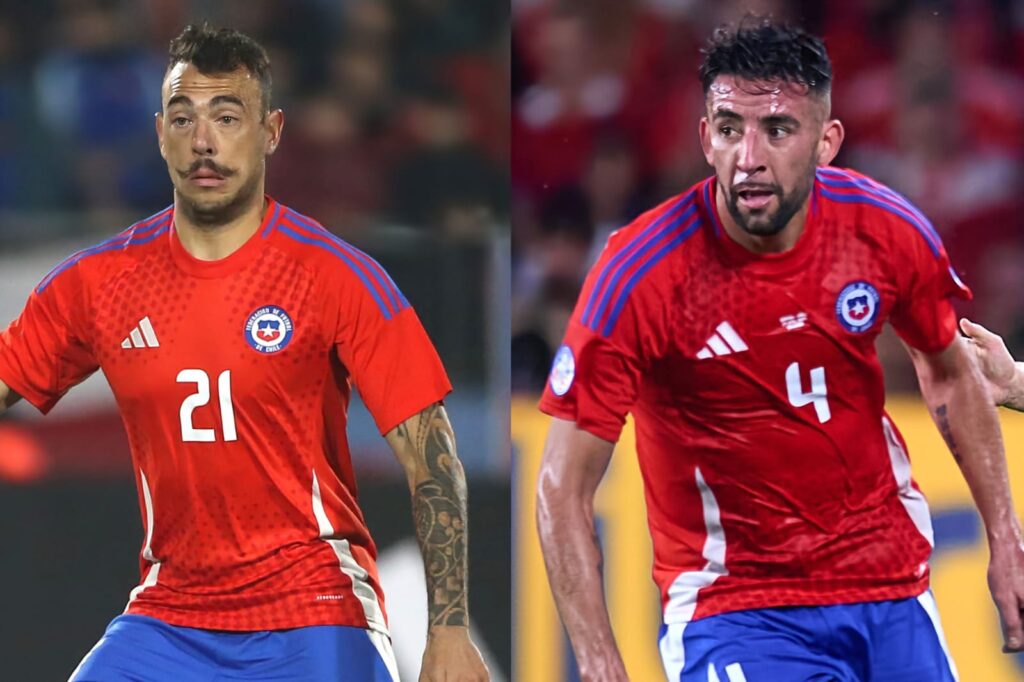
(725, 341)
(142, 336)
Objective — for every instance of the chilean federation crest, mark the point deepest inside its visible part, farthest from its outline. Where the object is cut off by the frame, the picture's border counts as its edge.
(563, 370)
(269, 329)
(857, 306)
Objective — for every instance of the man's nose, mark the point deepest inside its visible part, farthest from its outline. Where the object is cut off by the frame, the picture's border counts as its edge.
(202, 138)
(751, 153)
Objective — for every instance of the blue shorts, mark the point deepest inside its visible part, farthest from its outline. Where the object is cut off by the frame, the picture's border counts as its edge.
(888, 641)
(142, 649)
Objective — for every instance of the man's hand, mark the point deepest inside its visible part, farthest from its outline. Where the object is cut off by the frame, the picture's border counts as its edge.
(996, 363)
(1006, 582)
(451, 656)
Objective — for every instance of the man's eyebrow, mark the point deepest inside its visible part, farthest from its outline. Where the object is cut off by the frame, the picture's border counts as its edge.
(726, 114)
(185, 100)
(780, 120)
(227, 99)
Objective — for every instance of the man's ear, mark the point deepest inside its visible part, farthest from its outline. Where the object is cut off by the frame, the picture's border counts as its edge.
(275, 128)
(158, 119)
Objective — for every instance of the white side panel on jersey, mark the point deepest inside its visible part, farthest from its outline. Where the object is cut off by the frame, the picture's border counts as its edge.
(147, 549)
(382, 643)
(349, 566)
(682, 593)
(912, 499)
(927, 601)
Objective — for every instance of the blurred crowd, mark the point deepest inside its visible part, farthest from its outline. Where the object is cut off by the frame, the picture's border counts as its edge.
(396, 110)
(605, 104)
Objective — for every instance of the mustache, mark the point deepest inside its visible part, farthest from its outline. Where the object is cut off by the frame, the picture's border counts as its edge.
(208, 164)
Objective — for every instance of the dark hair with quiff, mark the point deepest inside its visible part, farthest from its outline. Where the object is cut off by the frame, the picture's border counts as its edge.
(213, 50)
(760, 50)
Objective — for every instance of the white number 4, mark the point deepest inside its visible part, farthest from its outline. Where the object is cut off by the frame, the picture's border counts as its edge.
(201, 397)
(818, 395)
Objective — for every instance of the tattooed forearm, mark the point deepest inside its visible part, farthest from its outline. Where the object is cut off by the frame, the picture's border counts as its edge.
(439, 510)
(942, 420)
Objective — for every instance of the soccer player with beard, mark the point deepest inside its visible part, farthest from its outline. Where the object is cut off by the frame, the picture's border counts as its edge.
(230, 328)
(737, 322)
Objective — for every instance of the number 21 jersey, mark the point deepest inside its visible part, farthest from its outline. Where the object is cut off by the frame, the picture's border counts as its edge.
(233, 380)
(772, 474)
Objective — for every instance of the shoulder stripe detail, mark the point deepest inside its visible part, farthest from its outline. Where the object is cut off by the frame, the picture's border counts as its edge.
(710, 208)
(288, 228)
(868, 192)
(878, 189)
(138, 234)
(677, 238)
(613, 270)
(274, 217)
(379, 275)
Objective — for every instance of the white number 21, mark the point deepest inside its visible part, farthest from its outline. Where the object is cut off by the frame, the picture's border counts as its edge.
(818, 395)
(201, 397)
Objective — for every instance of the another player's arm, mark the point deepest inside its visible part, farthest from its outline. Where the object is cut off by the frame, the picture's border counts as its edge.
(7, 396)
(425, 446)
(1004, 377)
(573, 464)
(954, 389)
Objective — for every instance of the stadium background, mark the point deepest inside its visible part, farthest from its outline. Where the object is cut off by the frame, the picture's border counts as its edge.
(396, 138)
(605, 103)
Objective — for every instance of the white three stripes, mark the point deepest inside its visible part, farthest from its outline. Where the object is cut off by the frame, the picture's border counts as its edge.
(142, 336)
(725, 341)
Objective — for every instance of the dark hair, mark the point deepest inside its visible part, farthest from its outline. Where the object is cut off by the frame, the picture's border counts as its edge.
(213, 50)
(760, 50)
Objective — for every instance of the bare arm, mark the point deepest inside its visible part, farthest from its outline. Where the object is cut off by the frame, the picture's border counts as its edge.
(7, 397)
(954, 389)
(1003, 376)
(425, 446)
(572, 467)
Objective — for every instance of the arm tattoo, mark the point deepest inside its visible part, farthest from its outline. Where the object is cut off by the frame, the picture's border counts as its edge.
(942, 420)
(439, 511)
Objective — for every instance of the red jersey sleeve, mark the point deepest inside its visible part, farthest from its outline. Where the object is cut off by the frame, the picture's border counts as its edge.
(382, 343)
(615, 331)
(923, 314)
(44, 352)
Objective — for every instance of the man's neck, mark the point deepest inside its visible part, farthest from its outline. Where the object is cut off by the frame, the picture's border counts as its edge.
(782, 241)
(214, 242)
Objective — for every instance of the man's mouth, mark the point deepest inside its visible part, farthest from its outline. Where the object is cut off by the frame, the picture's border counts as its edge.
(754, 198)
(206, 177)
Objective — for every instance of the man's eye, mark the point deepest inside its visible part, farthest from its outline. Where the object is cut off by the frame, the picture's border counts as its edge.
(777, 131)
(726, 131)
(227, 120)
(179, 121)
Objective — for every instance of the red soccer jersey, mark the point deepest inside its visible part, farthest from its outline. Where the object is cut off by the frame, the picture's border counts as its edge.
(233, 378)
(772, 474)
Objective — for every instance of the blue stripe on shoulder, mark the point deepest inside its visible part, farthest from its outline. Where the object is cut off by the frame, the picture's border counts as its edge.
(379, 274)
(613, 268)
(138, 234)
(330, 248)
(878, 196)
(650, 262)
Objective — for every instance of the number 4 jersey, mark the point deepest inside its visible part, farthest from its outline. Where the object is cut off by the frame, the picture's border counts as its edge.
(772, 475)
(233, 379)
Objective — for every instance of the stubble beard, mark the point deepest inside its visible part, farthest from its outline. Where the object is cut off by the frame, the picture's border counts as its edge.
(212, 213)
(763, 224)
